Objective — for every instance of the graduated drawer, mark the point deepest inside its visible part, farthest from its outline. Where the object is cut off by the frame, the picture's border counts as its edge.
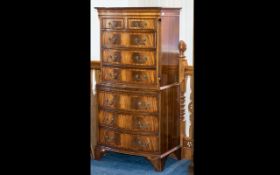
(112, 23)
(126, 141)
(140, 23)
(127, 101)
(124, 57)
(128, 39)
(132, 76)
(129, 122)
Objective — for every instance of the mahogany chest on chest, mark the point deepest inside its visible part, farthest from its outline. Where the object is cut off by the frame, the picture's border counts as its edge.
(138, 96)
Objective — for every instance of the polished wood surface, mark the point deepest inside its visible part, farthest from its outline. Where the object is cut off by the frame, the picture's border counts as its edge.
(120, 75)
(139, 93)
(127, 141)
(127, 39)
(127, 101)
(129, 122)
(136, 58)
(141, 23)
(109, 23)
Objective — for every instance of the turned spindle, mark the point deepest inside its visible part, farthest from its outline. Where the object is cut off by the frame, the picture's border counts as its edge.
(182, 48)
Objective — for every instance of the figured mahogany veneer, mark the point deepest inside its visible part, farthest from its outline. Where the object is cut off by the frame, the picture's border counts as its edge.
(129, 122)
(139, 94)
(138, 76)
(128, 58)
(127, 101)
(126, 39)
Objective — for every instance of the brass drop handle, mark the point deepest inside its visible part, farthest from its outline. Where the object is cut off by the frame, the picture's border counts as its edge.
(145, 24)
(115, 39)
(114, 58)
(113, 75)
(137, 40)
(144, 59)
(139, 24)
(140, 143)
(144, 105)
(138, 59)
(107, 120)
(114, 25)
(141, 125)
(109, 139)
(138, 77)
(109, 102)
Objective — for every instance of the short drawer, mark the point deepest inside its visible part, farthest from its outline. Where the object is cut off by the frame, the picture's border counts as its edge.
(132, 76)
(141, 23)
(123, 57)
(115, 23)
(128, 39)
(127, 101)
(125, 141)
(129, 122)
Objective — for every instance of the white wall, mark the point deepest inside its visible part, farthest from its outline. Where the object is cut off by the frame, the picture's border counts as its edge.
(186, 26)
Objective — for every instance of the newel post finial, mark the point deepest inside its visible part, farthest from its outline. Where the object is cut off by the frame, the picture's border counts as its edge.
(182, 48)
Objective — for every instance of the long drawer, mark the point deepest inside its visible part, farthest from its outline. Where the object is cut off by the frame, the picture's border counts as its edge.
(127, 101)
(128, 58)
(130, 76)
(129, 122)
(128, 39)
(126, 141)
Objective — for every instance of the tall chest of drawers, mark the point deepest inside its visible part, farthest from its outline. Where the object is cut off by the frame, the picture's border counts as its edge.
(138, 96)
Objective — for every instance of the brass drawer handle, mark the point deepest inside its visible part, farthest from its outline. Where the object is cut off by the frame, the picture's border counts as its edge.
(116, 57)
(138, 77)
(114, 24)
(138, 59)
(140, 143)
(115, 39)
(143, 105)
(137, 40)
(142, 125)
(107, 120)
(138, 24)
(109, 138)
(114, 75)
(111, 102)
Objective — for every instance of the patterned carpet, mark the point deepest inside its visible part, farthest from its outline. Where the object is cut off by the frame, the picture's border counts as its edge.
(122, 164)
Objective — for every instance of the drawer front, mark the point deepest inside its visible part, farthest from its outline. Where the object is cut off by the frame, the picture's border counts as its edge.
(141, 23)
(134, 76)
(139, 58)
(137, 122)
(126, 39)
(108, 23)
(128, 141)
(128, 102)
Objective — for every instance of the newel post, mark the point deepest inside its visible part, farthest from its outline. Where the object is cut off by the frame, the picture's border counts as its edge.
(182, 64)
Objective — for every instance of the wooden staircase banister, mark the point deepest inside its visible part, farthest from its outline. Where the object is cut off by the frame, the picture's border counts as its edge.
(185, 72)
